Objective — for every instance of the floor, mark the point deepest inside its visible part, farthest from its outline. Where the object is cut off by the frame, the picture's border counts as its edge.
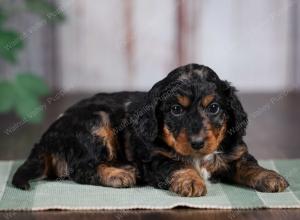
(273, 132)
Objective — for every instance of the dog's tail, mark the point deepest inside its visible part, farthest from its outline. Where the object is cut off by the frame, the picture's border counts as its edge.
(32, 168)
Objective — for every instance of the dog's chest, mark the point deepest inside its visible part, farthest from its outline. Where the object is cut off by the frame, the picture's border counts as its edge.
(199, 165)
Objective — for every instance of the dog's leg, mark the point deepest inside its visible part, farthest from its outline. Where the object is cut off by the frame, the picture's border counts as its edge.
(247, 172)
(117, 176)
(104, 174)
(176, 177)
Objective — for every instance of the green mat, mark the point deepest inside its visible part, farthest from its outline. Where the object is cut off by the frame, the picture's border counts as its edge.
(46, 195)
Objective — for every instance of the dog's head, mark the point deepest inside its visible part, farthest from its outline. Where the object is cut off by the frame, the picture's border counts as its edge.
(193, 112)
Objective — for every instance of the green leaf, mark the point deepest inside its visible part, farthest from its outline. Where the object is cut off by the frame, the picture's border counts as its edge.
(10, 43)
(32, 84)
(23, 95)
(45, 9)
(7, 96)
(28, 106)
(2, 16)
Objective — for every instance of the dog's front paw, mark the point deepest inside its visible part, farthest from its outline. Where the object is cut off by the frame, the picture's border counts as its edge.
(270, 181)
(187, 182)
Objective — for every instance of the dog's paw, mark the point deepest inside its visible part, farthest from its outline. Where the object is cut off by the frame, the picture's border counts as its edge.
(270, 181)
(187, 182)
(117, 177)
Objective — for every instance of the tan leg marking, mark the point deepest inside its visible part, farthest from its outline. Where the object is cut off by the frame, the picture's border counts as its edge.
(108, 136)
(259, 178)
(117, 177)
(187, 182)
(55, 167)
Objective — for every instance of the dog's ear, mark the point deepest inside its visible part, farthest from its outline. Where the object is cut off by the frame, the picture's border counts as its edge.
(146, 126)
(238, 120)
(146, 122)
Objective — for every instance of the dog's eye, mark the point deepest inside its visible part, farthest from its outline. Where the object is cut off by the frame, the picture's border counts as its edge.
(213, 108)
(176, 110)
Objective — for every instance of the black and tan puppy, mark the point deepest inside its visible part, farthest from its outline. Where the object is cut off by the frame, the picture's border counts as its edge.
(188, 127)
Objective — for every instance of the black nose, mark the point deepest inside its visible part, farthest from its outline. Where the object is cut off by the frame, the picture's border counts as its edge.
(197, 144)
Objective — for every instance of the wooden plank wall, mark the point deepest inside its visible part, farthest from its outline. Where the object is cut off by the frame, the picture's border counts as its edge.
(131, 44)
(295, 46)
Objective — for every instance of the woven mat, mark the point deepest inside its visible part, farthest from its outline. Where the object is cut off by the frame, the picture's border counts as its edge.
(67, 195)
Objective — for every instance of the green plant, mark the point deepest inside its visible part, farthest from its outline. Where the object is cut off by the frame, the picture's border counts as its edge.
(22, 94)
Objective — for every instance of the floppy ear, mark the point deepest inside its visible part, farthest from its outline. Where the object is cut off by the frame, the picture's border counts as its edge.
(146, 126)
(238, 119)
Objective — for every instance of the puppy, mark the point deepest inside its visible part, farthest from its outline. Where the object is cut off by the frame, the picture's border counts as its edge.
(187, 128)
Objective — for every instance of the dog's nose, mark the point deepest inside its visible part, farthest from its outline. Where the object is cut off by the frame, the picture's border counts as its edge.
(197, 144)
